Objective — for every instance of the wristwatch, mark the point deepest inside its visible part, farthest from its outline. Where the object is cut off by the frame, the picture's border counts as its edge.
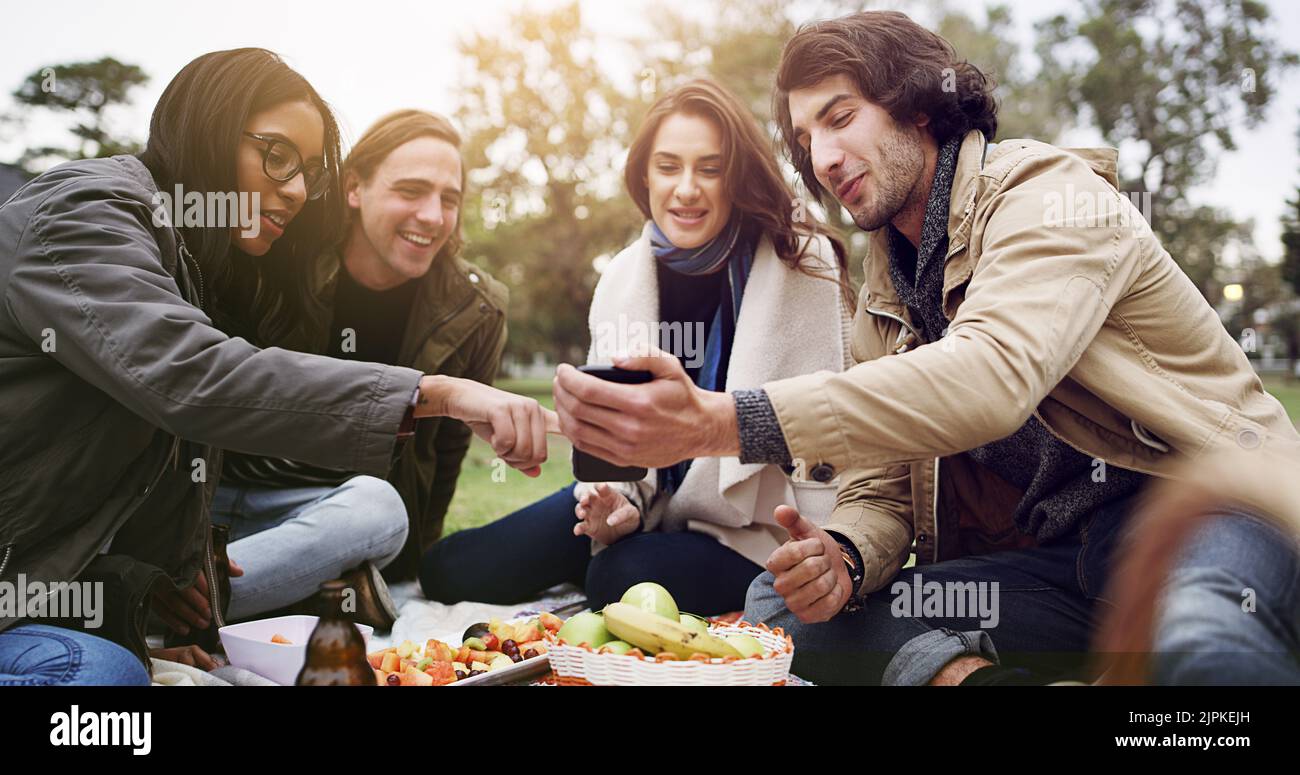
(853, 561)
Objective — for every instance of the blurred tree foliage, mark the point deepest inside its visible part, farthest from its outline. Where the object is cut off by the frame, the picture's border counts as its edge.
(546, 131)
(547, 126)
(87, 92)
(1168, 81)
(1291, 241)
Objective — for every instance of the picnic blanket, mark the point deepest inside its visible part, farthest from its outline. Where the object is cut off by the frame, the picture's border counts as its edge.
(419, 619)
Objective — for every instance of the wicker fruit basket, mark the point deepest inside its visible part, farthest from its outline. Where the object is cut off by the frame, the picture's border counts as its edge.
(582, 666)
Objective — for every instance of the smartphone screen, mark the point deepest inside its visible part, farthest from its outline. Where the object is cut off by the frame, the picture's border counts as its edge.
(589, 468)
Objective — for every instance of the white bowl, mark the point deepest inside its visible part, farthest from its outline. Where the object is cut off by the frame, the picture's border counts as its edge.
(248, 645)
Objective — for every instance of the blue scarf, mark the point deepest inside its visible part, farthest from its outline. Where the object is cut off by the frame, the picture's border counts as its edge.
(734, 248)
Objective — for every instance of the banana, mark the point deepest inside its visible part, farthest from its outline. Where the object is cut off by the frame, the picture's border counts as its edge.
(653, 633)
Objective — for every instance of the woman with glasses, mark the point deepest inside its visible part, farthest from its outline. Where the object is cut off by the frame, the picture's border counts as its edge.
(118, 392)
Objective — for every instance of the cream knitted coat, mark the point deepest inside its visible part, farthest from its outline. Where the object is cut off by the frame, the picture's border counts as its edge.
(789, 324)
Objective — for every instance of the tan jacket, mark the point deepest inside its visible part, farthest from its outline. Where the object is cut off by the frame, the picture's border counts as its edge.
(778, 334)
(1064, 306)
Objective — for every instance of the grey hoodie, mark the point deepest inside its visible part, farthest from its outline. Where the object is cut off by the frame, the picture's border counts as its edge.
(117, 393)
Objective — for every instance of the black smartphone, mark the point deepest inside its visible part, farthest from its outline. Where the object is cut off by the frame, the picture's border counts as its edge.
(589, 468)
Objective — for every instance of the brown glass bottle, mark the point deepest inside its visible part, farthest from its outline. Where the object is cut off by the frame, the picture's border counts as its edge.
(336, 652)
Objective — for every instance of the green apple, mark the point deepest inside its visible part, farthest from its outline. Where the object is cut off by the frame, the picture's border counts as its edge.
(616, 647)
(695, 623)
(747, 645)
(587, 627)
(649, 596)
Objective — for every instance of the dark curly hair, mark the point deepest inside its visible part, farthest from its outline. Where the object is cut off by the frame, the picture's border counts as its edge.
(897, 64)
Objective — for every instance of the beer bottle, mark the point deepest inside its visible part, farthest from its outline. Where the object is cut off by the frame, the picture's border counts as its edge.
(336, 652)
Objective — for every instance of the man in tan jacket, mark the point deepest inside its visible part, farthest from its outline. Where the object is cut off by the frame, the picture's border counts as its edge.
(1029, 359)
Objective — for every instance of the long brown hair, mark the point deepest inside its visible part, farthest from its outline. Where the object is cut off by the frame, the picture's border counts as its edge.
(895, 63)
(390, 133)
(750, 178)
(193, 135)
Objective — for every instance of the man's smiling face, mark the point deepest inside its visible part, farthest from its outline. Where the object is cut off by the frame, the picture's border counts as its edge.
(869, 162)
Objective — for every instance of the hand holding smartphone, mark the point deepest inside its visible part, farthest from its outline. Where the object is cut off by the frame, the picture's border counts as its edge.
(589, 468)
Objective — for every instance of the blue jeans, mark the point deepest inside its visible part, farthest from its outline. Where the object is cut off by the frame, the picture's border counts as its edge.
(41, 655)
(1049, 600)
(519, 556)
(1230, 612)
(290, 540)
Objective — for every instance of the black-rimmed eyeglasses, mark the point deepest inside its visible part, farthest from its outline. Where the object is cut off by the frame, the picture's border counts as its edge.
(281, 161)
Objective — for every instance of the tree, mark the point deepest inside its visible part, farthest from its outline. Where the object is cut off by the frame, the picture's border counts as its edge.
(545, 136)
(1291, 241)
(1169, 80)
(739, 43)
(88, 91)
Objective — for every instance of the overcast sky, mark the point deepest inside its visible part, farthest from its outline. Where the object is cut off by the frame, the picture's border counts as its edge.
(367, 58)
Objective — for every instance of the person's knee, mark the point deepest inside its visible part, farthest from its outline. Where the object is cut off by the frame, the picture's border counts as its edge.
(440, 577)
(1208, 631)
(609, 574)
(378, 514)
(118, 666)
(764, 605)
(59, 657)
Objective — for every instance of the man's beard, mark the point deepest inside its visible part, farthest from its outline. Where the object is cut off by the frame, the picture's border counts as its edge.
(893, 181)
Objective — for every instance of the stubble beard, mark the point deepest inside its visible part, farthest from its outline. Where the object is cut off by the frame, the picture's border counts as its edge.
(894, 180)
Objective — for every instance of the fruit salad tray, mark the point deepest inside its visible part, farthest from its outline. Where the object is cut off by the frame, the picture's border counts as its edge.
(494, 652)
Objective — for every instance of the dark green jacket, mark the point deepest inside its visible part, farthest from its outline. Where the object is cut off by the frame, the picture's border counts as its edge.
(457, 327)
(116, 391)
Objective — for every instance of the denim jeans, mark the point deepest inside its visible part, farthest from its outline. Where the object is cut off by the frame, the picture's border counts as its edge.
(1230, 611)
(1049, 600)
(533, 549)
(41, 655)
(290, 540)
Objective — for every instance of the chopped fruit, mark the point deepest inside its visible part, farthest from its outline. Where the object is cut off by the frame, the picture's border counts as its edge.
(278, 638)
(550, 622)
(442, 673)
(440, 651)
(436, 663)
(529, 631)
(416, 678)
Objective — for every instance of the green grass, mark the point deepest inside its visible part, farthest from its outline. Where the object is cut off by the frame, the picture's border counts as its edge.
(1288, 394)
(480, 499)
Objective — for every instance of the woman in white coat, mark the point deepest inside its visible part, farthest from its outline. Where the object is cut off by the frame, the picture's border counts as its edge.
(735, 278)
